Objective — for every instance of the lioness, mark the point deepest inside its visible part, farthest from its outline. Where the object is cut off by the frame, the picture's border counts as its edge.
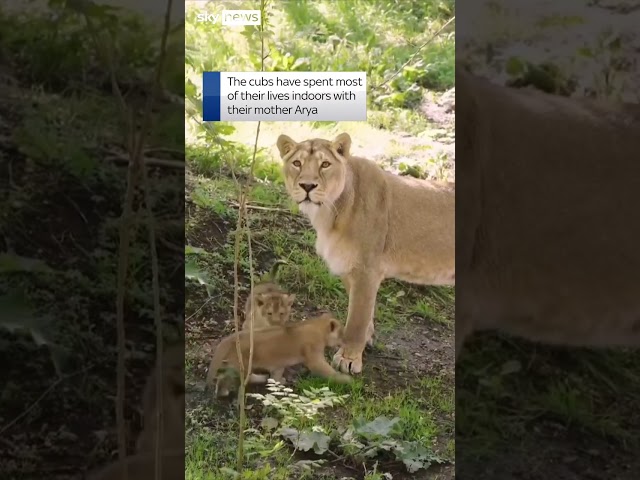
(548, 237)
(370, 225)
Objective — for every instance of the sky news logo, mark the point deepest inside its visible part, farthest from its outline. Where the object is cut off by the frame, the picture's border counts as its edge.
(232, 17)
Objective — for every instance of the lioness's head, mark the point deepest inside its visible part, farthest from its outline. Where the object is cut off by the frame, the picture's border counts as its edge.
(315, 170)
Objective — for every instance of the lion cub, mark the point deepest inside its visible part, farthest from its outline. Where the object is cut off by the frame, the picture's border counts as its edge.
(272, 304)
(279, 347)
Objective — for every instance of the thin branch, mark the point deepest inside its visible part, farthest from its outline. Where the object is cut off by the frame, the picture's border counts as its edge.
(154, 254)
(433, 37)
(125, 230)
(258, 207)
(134, 149)
(242, 213)
(42, 396)
(154, 162)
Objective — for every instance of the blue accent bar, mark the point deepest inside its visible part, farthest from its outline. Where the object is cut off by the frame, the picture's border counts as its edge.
(211, 96)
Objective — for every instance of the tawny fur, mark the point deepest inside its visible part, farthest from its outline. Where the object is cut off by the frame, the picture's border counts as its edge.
(173, 392)
(279, 347)
(272, 304)
(370, 225)
(548, 230)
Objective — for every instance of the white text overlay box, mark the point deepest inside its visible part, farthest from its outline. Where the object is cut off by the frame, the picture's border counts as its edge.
(293, 96)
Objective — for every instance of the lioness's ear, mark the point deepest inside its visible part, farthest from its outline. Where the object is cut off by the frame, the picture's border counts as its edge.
(342, 144)
(290, 298)
(285, 145)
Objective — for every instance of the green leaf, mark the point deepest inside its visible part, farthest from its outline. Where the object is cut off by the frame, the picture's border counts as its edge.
(515, 66)
(381, 426)
(307, 440)
(229, 472)
(17, 314)
(10, 263)
(269, 423)
(615, 44)
(193, 272)
(511, 366)
(416, 456)
(585, 52)
(188, 249)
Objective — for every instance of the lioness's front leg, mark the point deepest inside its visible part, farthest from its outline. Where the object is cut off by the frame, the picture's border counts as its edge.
(370, 328)
(363, 289)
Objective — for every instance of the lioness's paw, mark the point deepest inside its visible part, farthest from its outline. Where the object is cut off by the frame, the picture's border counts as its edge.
(348, 360)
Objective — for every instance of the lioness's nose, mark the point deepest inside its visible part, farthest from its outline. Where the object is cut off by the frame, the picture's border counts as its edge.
(307, 187)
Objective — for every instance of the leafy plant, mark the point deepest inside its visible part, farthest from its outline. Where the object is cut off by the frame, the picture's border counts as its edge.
(193, 272)
(369, 439)
(362, 440)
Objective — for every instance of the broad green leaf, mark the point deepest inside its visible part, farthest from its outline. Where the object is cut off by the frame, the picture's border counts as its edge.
(381, 426)
(416, 456)
(188, 249)
(10, 263)
(307, 440)
(269, 423)
(511, 366)
(514, 66)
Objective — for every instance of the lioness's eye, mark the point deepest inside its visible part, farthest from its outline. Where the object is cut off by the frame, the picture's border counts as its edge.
(297, 163)
(325, 165)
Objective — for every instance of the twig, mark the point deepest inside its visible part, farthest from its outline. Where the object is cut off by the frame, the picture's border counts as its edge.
(171, 246)
(205, 303)
(155, 162)
(433, 37)
(77, 208)
(242, 212)
(41, 397)
(152, 247)
(258, 207)
(134, 149)
(164, 150)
